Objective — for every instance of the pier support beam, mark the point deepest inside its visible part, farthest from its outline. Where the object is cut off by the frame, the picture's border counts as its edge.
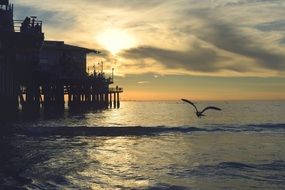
(110, 100)
(8, 88)
(118, 100)
(106, 103)
(115, 100)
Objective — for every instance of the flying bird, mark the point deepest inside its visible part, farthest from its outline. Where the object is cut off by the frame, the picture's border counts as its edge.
(200, 113)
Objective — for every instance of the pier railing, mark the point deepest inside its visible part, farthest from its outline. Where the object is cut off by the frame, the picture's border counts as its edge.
(115, 90)
(67, 90)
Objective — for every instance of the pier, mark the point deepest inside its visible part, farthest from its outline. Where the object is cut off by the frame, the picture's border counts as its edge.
(39, 74)
(83, 93)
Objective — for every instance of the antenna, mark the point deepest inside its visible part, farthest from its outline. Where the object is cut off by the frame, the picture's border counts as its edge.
(94, 69)
(33, 20)
(112, 74)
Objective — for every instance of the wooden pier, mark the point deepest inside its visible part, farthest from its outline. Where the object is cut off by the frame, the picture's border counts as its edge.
(57, 95)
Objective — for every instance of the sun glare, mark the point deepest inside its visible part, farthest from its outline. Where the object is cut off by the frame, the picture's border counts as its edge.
(115, 40)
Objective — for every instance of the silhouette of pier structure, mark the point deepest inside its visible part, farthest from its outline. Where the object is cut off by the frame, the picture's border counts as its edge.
(36, 74)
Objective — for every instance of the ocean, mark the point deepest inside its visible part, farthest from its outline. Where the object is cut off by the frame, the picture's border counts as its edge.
(148, 145)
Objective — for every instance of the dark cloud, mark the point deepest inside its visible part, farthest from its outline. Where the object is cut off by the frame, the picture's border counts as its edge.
(233, 31)
(282, 41)
(278, 25)
(230, 38)
(253, 2)
(198, 59)
(50, 18)
(137, 4)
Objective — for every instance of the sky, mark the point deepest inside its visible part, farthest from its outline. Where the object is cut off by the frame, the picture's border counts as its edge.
(172, 49)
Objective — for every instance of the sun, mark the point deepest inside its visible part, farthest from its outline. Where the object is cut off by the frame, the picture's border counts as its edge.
(115, 40)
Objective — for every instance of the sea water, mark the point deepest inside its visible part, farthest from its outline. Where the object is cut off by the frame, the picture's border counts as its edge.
(158, 145)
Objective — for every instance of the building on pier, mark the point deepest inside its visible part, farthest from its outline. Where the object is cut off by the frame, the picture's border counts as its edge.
(62, 71)
(58, 59)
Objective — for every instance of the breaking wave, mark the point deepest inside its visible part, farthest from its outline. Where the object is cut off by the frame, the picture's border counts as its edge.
(141, 130)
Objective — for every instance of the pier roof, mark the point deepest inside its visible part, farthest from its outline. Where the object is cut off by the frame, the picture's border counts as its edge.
(60, 45)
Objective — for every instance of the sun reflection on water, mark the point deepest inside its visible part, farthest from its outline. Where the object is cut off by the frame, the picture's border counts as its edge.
(115, 156)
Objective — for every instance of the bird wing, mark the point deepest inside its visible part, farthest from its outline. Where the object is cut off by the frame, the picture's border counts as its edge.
(211, 107)
(188, 101)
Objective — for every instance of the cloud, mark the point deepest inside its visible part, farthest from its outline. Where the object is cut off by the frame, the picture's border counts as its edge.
(198, 59)
(277, 25)
(208, 37)
(143, 82)
(229, 38)
(51, 18)
(251, 2)
(233, 42)
(227, 45)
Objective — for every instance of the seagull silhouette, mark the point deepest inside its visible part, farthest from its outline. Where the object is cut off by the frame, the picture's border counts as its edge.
(200, 113)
